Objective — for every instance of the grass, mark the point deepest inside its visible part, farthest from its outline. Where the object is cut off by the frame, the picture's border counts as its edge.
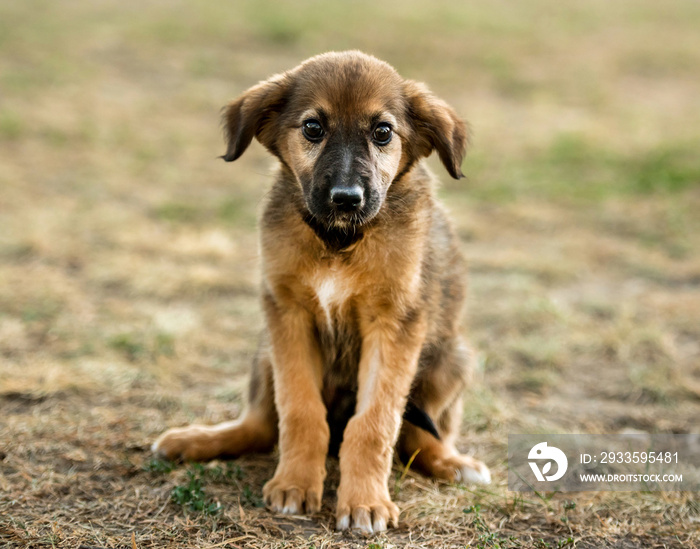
(576, 168)
(490, 539)
(129, 275)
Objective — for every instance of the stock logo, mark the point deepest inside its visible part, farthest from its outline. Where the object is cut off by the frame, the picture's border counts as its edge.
(542, 452)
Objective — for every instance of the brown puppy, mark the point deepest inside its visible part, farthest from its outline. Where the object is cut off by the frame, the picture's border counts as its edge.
(362, 290)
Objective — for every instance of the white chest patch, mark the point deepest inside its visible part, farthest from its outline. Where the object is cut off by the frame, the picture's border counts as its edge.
(331, 294)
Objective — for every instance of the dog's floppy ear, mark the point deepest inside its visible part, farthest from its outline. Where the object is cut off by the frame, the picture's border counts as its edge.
(253, 114)
(436, 126)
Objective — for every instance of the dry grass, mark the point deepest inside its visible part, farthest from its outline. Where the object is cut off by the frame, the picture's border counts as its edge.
(128, 271)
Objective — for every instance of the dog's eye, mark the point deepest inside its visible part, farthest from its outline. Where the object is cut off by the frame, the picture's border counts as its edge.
(382, 134)
(312, 130)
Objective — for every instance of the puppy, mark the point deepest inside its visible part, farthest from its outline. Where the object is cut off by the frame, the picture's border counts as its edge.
(362, 290)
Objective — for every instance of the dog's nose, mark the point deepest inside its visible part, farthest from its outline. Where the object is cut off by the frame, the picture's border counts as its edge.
(347, 198)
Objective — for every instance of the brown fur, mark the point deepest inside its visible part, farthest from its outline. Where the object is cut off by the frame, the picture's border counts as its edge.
(361, 315)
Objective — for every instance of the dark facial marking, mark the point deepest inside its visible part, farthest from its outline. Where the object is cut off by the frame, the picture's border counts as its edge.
(343, 191)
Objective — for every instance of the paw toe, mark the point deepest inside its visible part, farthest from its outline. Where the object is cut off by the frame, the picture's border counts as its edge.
(343, 521)
(293, 501)
(362, 520)
(379, 524)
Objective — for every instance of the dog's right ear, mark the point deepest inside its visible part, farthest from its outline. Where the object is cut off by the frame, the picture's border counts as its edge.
(254, 114)
(437, 127)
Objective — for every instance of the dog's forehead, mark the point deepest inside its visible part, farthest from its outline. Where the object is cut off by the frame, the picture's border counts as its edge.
(348, 85)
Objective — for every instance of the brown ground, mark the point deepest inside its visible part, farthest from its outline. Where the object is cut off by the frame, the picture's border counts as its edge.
(128, 293)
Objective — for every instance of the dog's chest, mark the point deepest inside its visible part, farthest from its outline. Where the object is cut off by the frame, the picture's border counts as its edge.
(336, 323)
(340, 344)
(332, 288)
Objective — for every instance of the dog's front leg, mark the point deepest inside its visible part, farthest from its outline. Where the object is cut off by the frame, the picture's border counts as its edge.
(303, 431)
(388, 363)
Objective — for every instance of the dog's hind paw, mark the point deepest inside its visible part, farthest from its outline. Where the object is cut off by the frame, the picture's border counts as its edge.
(193, 443)
(467, 475)
(468, 470)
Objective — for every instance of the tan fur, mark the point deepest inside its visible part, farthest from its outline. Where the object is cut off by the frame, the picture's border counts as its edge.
(374, 317)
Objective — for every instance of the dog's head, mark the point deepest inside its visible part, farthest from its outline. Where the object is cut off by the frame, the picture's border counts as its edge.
(346, 125)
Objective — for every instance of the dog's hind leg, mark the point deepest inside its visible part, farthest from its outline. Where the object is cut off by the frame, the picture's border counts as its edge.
(437, 391)
(255, 431)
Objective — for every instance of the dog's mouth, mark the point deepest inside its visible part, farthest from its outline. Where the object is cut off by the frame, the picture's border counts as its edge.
(339, 230)
(344, 221)
(336, 234)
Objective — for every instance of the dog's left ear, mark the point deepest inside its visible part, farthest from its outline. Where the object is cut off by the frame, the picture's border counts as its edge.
(436, 126)
(254, 114)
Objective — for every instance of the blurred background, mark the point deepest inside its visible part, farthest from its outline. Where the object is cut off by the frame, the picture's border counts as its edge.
(128, 250)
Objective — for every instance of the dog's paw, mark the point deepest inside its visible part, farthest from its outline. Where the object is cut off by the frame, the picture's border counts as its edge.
(293, 496)
(464, 469)
(368, 514)
(192, 443)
